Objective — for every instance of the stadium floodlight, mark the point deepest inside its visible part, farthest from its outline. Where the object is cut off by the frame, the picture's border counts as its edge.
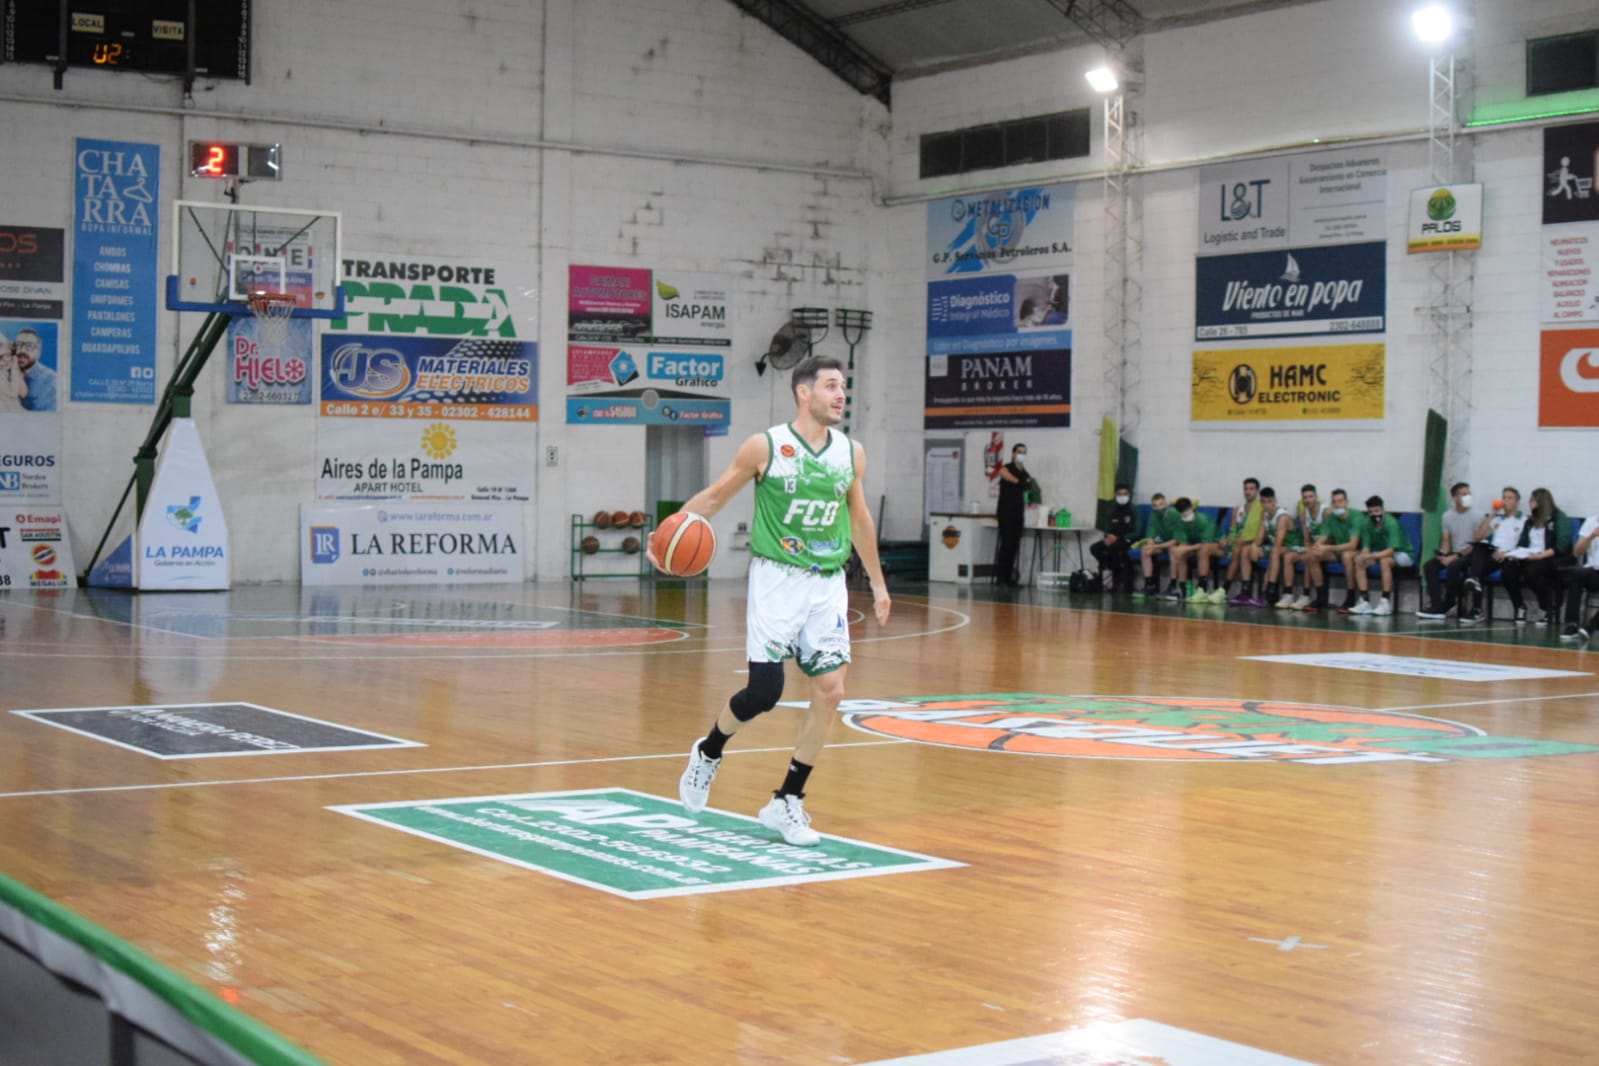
(1103, 79)
(1433, 23)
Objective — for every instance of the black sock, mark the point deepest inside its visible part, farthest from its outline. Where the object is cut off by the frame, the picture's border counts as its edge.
(711, 747)
(1321, 595)
(794, 783)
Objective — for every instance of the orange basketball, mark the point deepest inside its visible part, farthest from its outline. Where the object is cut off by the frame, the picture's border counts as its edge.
(603, 520)
(591, 545)
(684, 545)
(630, 545)
(636, 519)
(620, 519)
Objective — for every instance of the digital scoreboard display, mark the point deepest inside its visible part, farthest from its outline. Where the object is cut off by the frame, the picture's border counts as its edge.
(151, 36)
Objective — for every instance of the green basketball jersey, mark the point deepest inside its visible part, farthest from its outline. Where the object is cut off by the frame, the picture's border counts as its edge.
(801, 518)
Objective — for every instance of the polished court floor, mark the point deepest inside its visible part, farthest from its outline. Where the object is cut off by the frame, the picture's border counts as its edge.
(1285, 837)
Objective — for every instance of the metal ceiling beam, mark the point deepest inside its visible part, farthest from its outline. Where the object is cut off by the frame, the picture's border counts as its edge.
(1111, 23)
(883, 11)
(829, 46)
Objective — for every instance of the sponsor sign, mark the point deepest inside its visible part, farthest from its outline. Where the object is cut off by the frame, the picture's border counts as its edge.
(1570, 273)
(30, 363)
(1335, 197)
(1570, 164)
(1568, 378)
(1312, 387)
(652, 408)
(368, 459)
(116, 219)
(1446, 669)
(276, 376)
(35, 551)
(207, 730)
(1136, 1042)
(431, 297)
(411, 543)
(634, 845)
(690, 310)
(30, 460)
(1445, 218)
(182, 541)
(471, 380)
(32, 261)
(999, 313)
(1291, 293)
(1184, 729)
(999, 232)
(1031, 388)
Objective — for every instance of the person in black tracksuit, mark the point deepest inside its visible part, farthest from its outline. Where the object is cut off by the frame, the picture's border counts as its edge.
(1014, 481)
(1120, 529)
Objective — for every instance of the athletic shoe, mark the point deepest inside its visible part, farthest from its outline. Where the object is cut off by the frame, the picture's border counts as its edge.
(1570, 633)
(1384, 607)
(1312, 608)
(694, 787)
(1474, 585)
(1217, 595)
(1582, 632)
(1303, 603)
(1286, 603)
(1363, 607)
(1542, 622)
(1240, 600)
(786, 815)
(1473, 616)
(1254, 601)
(1433, 611)
(1520, 617)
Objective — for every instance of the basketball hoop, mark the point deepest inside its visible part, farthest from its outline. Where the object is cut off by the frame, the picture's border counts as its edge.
(273, 312)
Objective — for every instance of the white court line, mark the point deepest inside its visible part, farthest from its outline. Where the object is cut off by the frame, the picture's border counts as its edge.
(1481, 703)
(418, 770)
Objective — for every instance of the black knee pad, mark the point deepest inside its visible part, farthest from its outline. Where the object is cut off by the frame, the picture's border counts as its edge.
(761, 694)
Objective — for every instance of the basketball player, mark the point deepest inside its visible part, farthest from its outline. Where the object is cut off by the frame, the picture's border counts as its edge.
(810, 506)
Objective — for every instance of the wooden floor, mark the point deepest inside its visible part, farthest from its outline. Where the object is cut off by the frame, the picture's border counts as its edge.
(1295, 881)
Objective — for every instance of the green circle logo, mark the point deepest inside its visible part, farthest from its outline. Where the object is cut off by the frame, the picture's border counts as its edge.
(1441, 205)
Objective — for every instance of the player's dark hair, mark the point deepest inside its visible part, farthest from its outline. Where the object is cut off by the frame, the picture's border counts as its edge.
(1307, 487)
(1373, 501)
(1340, 492)
(1268, 493)
(1157, 496)
(805, 374)
(1183, 505)
(1454, 490)
(1123, 485)
(1255, 481)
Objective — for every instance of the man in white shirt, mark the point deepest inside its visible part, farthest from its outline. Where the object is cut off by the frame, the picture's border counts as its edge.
(1584, 577)
(1497, 537)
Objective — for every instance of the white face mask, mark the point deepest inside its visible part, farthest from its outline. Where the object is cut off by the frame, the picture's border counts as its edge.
(1189, 517)
(1123, 499)
(1340, 511)
(1465, 502)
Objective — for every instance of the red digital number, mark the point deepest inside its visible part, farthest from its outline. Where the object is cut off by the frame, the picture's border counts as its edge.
(216, 155)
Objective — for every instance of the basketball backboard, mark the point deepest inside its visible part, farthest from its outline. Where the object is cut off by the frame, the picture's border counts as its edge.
(222, 254)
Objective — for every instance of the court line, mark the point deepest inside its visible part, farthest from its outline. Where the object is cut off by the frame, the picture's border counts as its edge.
(416, 770)
(1481, 703)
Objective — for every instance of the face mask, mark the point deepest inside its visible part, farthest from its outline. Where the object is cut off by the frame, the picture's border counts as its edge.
(1376, 519)
(1189, 517)
(1123, 499)
(1340, 511)
(1465, 501)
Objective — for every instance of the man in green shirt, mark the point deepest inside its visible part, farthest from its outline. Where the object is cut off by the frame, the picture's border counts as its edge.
(1158, 540)
(810, 507)
(1383, 543)
(1195, 536)
(1335, 541)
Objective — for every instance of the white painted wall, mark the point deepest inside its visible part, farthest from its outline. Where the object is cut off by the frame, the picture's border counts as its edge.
(709, 144)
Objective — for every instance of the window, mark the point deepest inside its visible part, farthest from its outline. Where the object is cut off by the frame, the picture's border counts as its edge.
(1563, 64)
(1063, 135)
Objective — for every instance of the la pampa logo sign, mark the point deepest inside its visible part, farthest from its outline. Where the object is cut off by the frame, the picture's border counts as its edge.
(1184, 729)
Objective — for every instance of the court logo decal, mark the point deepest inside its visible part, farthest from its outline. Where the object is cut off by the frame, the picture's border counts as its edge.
(634, 845)
(1179, 728)
(201, 730)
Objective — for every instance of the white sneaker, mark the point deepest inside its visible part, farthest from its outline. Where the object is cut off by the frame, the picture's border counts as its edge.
(694, 787)
(1286, 603)
(1363, 607)
(1302, 602)
(786, 815)
(1384, 606)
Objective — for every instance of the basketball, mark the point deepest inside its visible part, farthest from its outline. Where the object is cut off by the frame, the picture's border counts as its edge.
(620, 519)
(630, 545)
(684, 545)
(637, 519)
(591, 545)
(603, 520)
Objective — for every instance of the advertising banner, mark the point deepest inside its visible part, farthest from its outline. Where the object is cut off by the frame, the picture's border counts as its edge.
(35, 551)
(433, 297)
(1570, 164)
(1014, 229)
(1445, 218)
(183, 536)
(409, 544)
(999, 313)
(30, 362)
(647, 348)
(1325, 387)
(116, 230)
(1568, 378)
(32, 265)
(277, 376)
(1570, 273)
(1294, 292)
(968, 391)
(381, 458)
(1333, 197)
(30, 458)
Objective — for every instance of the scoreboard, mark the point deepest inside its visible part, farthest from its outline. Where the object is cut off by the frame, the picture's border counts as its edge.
(191, 38)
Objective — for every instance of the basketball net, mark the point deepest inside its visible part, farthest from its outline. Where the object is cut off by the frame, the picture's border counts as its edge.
(273, 312)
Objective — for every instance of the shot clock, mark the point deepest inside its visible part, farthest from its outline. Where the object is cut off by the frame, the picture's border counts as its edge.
(224, 159)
